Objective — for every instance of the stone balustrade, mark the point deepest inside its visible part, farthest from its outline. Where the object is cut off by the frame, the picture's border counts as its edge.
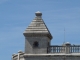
(64, 49)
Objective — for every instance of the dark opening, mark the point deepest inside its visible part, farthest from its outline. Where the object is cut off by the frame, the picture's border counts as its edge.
(48, 44)
(35, 44)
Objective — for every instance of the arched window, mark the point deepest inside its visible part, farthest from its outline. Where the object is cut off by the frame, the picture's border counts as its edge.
(35, 44)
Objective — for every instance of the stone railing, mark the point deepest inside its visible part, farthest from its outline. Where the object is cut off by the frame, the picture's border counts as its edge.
(75, 49)
(67, 48)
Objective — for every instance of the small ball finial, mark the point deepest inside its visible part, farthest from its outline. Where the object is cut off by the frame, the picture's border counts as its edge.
(20, 51)
(38, 13)
(13, 54)
(67, 43)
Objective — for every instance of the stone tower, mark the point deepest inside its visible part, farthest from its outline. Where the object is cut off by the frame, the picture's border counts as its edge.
(37, 36)
(37, 44)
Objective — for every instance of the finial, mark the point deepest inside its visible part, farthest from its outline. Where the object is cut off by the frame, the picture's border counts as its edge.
(67, 43)
(38, 13)
(13, 54)
(20, 51)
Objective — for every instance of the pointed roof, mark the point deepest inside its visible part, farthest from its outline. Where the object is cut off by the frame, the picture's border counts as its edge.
(37, 26)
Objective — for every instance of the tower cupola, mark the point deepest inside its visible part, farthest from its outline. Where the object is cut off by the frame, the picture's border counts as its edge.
(37, 36)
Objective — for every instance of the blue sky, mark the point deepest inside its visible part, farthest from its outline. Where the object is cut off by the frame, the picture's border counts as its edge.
(16, 15)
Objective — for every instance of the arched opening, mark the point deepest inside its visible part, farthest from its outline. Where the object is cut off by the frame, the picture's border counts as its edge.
(35, 44)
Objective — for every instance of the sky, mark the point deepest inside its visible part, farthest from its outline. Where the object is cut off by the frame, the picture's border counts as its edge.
(16, 15)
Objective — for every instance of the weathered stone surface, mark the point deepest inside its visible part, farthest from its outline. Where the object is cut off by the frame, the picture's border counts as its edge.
(41, 49)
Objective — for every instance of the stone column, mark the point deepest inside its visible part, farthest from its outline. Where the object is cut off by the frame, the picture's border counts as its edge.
(67, 47)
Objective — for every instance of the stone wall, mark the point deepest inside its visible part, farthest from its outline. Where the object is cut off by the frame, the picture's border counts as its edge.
(49, 57)
(42, 48)
(22, 56)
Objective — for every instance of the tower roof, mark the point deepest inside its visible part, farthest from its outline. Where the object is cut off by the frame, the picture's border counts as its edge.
(37, 26)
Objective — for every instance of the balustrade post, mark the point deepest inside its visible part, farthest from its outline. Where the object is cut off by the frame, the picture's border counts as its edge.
(67, 47)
